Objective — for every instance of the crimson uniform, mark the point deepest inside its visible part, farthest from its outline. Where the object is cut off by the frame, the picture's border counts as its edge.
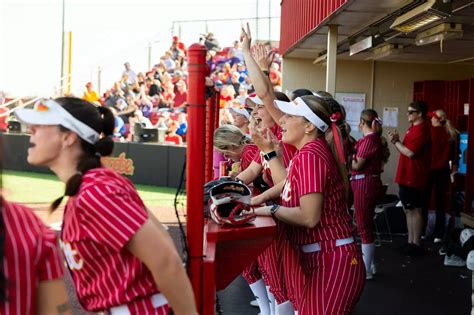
(366, 184)
(272, 260)
(330, 259)
(30, 256)
(98, 223)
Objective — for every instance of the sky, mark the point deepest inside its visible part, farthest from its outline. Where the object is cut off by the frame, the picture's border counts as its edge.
(107, 33)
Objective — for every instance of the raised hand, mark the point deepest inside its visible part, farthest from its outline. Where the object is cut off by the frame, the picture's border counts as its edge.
(263, 56)
(246, 38)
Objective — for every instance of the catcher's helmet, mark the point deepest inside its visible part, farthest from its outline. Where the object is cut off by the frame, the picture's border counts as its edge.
(229, 203)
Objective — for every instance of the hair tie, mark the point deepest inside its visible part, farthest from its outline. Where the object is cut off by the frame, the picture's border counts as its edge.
(338, 142)
(335, 117)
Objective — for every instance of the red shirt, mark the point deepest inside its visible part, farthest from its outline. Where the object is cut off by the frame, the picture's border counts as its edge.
(180, 99)
(414, 172)
(314, 170)
(440, 147)
(288, 152)
(98, 223)
(31, 255)
(369, 148)
(176, 139)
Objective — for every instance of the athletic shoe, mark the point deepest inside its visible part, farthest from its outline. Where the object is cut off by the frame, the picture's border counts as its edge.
(454, 261)
(369, 276)
(437, 240)
(373, 269)
(442, 251)
(254, 303)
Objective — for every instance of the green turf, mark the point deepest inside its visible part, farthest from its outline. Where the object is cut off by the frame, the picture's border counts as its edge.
(26, 187)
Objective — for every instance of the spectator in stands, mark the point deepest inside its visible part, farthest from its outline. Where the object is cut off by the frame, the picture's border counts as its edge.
(168, 95)
(242, 96)
(90, 95)
(154, 87)
(412, 172)
(211, 43)
(235, 82)
(181, 96)
(130, 73)
(144, 103)
(171, 136)
(242, 69)
(181, 63)
(140, 77)
(138, 118)
(275, 75)
(119, 127)
(3, 116)
(182, 125)
(232, 59)
(210, 61)
(238, 50)
(175, 47)
(169, 62)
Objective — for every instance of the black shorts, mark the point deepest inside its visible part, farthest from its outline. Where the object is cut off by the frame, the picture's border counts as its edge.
(411, 197)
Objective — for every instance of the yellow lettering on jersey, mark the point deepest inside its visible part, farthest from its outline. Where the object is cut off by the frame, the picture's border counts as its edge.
(74, 261)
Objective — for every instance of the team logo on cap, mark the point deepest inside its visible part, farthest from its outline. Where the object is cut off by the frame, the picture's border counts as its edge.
(41, 107)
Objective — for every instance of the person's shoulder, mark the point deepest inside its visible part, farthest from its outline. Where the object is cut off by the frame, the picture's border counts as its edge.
(22, 217)
(104, 181)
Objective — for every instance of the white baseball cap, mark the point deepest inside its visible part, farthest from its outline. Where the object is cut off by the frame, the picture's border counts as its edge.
(242, 111)
(298, 107)
(254, 100)
(49, 112)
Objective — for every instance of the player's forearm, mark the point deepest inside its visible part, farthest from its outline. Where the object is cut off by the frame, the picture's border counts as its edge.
(250, 173)
(174, 283)
(278, 169)
(263, 86)
(269, 194)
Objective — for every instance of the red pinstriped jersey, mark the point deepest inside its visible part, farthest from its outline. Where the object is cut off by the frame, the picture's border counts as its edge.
(98, 223)
(248, 153)
(288, 152)
(369, 148)
(31, 255)
(314, 170)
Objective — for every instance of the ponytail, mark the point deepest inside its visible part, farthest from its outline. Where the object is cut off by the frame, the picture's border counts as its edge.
(91, 153)
(334, 139)
(373, 121)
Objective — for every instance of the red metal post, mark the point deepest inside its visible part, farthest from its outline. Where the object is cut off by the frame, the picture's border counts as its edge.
(210, 126)
(195, 162)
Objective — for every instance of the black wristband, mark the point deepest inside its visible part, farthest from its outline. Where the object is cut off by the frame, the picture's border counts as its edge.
(274, 209)
(270, 155)
(266, 72)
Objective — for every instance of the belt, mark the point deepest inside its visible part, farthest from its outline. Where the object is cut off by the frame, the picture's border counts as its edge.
(316, 247)
(157, 300)
(361, 176)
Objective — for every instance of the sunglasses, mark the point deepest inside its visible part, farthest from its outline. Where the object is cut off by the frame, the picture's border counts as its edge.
(411, 112)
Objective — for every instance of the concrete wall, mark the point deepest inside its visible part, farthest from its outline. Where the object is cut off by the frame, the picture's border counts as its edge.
(391, 83)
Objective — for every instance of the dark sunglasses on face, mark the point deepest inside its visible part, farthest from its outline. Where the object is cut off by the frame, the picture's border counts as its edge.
(411, 112)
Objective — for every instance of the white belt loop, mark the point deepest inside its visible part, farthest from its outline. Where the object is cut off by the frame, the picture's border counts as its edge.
(157, 301)
(316, 247)
(362, 176)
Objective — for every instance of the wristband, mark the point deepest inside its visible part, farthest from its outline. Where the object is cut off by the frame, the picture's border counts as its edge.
(270, 155)
(274, 209)
(266, 72)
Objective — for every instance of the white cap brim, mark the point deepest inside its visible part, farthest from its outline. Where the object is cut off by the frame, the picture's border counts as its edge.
(55, 114)
(299, 108)
(254, 100)
(241, 111)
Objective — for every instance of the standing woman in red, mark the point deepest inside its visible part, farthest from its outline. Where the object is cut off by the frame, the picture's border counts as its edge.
(367, 164)
(31, 268)
(121, 259)
(314, 210)
(444, 138)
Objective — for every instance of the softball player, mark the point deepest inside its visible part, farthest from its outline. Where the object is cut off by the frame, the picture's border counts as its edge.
(31, 268)
(367, 164)
(315, 212)
(234, 145)
(107, 232)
